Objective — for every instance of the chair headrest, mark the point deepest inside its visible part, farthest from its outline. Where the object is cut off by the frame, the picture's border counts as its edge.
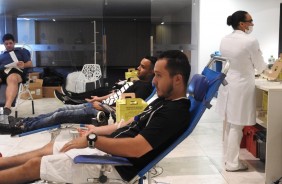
(198, 86)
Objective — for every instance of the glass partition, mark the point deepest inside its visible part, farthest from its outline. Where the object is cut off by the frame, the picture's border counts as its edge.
(171, 26)
(61, 42)
(124, 31)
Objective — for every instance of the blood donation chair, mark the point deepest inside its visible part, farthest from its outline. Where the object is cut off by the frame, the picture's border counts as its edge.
(201, 89)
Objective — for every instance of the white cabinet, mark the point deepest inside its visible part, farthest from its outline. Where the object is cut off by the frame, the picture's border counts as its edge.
(273, 123)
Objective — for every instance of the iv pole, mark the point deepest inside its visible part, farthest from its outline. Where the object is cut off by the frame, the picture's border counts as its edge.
(94, 23)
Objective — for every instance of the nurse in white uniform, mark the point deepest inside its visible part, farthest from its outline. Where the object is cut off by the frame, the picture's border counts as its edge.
(236, 101)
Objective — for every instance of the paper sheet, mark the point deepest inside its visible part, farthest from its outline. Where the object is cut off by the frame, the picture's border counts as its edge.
(14, 64)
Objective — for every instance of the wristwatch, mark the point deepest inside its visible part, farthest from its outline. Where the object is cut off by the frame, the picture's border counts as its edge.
(91, 139)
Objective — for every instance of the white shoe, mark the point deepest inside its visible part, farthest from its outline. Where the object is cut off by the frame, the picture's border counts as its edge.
(242, 167)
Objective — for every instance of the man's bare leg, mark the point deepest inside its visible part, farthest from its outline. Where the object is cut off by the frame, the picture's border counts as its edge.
(17, 160)
(27, 172)
(13, 81)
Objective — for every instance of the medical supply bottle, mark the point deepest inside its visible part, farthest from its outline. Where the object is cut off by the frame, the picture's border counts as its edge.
(271, 60)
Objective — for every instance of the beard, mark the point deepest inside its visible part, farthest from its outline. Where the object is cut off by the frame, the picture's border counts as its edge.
(167, 92)
(141, 77)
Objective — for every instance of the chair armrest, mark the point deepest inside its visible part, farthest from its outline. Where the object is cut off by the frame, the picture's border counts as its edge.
(107, 108)
(102, 160)
(38, 130)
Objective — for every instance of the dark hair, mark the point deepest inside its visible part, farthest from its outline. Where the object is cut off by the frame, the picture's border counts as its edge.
(237, 17)
(8, 36)
(177, 63)
(152, 59)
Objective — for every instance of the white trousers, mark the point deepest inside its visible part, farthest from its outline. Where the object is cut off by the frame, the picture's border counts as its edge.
(232, 140)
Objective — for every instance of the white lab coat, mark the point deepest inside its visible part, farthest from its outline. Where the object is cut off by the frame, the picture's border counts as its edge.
(237, 99)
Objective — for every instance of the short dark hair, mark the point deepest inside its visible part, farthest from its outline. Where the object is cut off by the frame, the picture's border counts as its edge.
(152, 59)
(177, 63)
(237, 17)
(8, 36)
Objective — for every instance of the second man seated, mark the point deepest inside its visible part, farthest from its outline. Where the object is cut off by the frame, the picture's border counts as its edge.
(83, 114)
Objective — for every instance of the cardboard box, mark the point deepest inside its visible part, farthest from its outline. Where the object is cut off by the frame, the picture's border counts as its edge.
(48, 91)
(35, 89)
(33, 76)
(129, 107)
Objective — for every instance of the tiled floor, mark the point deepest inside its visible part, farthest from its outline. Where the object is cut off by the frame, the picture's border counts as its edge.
(198, 160)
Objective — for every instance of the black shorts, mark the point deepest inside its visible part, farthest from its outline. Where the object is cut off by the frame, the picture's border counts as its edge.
(4, 76)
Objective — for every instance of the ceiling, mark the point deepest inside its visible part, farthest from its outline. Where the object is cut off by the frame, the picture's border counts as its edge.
(89, 9)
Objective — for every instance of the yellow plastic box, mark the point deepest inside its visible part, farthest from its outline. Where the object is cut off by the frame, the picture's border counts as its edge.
(264, 100)
(131, 74)
(129, 107)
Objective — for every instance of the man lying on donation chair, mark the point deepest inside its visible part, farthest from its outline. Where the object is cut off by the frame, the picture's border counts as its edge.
(139, 139)
(12, 76)
(202, 88)
(83, 114)
(71, 98)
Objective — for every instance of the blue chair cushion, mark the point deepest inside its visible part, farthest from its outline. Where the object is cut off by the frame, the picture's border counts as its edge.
(198, 86)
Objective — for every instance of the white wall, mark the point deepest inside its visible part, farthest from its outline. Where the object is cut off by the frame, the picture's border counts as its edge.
(212, 25)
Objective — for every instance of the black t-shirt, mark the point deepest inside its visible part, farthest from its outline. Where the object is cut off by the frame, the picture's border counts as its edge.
(168, 121)
(141, 89)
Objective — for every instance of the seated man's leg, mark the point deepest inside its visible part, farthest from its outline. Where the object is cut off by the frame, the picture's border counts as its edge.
(61, 168)
(102, 91)
(62, 109)
(34, 165)
(24, 167)
(12, 81)
(80, 114)
(32, 120)
(70, 115)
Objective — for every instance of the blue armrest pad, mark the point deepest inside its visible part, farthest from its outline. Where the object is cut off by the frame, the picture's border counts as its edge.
(38, 130)
(101, 160)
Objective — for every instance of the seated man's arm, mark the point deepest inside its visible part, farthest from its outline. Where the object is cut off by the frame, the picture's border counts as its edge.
(125, 147)
(104, 130)
(25, 59)
(97, 98)
(96, 105)
(23, 65)
(28, 64)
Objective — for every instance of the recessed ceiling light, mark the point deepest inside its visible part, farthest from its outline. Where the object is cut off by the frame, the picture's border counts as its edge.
(54, 20)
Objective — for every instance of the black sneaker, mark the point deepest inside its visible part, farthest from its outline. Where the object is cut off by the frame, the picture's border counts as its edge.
(62, 98)
(7, 129)
(16, 122)
(7, 111)
(65, 92)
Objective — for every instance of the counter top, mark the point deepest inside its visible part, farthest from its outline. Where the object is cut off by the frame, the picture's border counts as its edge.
(266, 85)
